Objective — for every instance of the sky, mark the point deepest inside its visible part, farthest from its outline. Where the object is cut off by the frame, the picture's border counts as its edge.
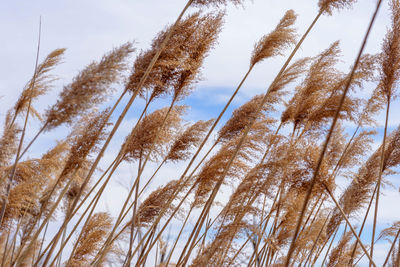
(89, 28)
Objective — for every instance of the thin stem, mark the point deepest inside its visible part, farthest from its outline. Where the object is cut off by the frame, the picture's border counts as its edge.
(209, 202)
(179, 235)
(325, 146)
(380, 176)
(5, 252)
(391, 248)
(316, 240)
(129, 257)
(348, 223)
(329, 247)
(21, 141)
(188, 167)
(362, 225)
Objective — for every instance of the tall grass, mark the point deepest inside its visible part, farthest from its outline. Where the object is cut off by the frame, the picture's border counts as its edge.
(281, 169)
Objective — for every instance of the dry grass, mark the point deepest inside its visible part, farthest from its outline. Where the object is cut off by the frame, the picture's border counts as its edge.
(281, 186)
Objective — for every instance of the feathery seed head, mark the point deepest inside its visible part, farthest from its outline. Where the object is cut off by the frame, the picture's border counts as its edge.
(178, 66)
(273, 44)
(8, 142)
(91, 240)
(315, 89)
(390, 57)
(206, 3)
(41, 83)
(191, 137)
(142, 137)
(88, 134)
(329, 5)
(89, 88)
(153, 205)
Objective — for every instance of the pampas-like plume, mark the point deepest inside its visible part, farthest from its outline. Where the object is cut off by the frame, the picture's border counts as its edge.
(349, 111)
(322, 75)
(339, 255)
(329, 5)
(214, 167)
(8, 143)
(390, 232)
(32, 178)
(93, 235)
(243, 115)
(89, 88)
(261, 179)
(215, 2)
(357, 149)
(390, 57)
(291, 208)
(178, 65)
(84, 139)
(191, 137)
(240, 118)
(41, 84)
(360, 189)
(142, 137)
(151, 207)
(273, 44)
(212, 253)
(308, 237)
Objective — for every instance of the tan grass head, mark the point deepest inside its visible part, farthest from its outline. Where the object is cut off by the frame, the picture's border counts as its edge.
(142, 137)
(190, 138)
(91, 240)
(274, 43)
(89, 88)
(41, 83)
(329, 6)
(178, 66)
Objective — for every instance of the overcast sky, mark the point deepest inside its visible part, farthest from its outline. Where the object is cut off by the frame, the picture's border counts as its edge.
(88, 29)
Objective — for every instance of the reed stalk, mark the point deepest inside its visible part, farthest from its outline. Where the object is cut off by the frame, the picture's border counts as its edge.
(325, 145)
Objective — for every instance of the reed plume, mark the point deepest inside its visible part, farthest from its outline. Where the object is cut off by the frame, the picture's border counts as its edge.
(146, 134)
(190, 138)
(390, 57)
(245, 114)
(275, 178)
(177, 67)
(214, 167)
(360, 189)
(390, 232)
(40, 84)
(89, 88)
(32, 178)
(321, 76)
(273, 44)
(84, 138)
(308, 237)
(329, 5)
(205, 3)
(214, 251)
(338, 256)
(287, 78)
(154, 203)
(8, 143)
(93, 235)
(356, 151)
(364, 73)
(240, 118)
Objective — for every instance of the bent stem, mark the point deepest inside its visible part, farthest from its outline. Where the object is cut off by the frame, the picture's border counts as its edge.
(21, 141)
(380, 176)
(325, 146)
